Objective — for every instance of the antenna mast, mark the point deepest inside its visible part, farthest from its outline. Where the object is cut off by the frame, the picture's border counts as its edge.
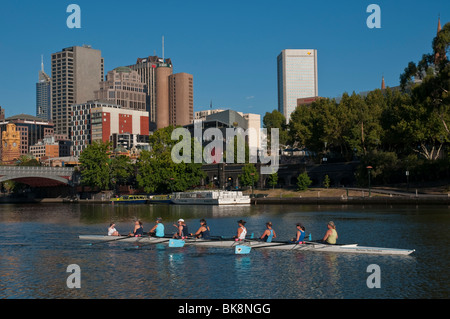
(163, 48)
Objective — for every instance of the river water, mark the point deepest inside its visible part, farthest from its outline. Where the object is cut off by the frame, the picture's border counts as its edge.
(38, 243)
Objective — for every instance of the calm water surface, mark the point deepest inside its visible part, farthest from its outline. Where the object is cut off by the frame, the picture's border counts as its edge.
(38, 242)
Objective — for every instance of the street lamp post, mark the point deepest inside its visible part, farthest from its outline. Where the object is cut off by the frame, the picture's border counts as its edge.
(368, 169)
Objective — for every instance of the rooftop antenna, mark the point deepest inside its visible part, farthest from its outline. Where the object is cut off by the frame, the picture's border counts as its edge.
(163, 48)
(42, 62)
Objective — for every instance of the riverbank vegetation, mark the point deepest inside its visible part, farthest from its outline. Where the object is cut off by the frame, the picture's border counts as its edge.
(400, 132)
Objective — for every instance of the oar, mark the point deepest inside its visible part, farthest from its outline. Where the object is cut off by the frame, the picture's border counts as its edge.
(244, 249)
(148, 244)
(178, 243)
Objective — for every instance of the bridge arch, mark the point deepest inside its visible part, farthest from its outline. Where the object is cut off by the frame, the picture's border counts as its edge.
(37, 176)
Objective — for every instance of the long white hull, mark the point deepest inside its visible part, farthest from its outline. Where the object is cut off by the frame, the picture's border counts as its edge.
(126, 239)
(212, 201)
(227, 243)
(210, 198)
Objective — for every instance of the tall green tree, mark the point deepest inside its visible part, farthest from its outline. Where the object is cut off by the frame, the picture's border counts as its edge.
(276, 119)
(249, 176)
(156, 170)
(429, 114)
(121, 170)
(95, 165)
(303, 181)
(273, 180)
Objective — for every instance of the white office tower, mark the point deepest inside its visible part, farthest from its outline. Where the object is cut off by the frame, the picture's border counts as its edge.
(297, 78)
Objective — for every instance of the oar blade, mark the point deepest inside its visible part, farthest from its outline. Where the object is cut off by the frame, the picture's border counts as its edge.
(242, 249)
(176, 243)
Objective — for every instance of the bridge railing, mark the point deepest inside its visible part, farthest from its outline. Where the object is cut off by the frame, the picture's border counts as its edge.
(62, 171)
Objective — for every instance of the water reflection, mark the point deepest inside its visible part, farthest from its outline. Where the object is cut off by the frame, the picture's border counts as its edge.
(38, 242)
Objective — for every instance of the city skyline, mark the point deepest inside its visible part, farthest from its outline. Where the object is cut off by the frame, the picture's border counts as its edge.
(352, 56)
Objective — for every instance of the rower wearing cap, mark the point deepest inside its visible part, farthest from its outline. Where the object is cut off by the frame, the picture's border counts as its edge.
(242, 231)
(158, 229)
(203, 232)
(182, 229)
(300, 236)
(269, 233)
(331, 235)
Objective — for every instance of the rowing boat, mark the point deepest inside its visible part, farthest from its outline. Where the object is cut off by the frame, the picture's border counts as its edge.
(308, 246)
(277, 245)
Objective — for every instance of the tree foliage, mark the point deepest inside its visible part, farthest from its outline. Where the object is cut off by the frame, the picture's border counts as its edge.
(303, 181)
(249, 176)
(412, 122)
(156, 171)
(95, 165)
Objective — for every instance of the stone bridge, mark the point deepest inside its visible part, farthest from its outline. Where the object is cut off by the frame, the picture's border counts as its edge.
(38, 176)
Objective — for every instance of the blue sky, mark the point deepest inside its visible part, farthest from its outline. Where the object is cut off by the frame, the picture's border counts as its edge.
(229, 46)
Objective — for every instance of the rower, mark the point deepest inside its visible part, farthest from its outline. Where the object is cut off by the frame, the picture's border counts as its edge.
(182, 229)
(203, 232)
(269, 233)
(242, 231)
(112, 230)
(158, 229)
(300, 234)
(138, 229)
(331, 235)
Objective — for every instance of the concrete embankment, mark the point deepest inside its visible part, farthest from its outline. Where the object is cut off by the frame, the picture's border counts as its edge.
(377, 200)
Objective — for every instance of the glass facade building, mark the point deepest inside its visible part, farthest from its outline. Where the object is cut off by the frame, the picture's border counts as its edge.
(297, 78)
(43, 97)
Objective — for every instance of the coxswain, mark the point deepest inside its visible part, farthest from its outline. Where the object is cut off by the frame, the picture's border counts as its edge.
(112, 230)
(269, 233)
(331, 235)
(203, 232)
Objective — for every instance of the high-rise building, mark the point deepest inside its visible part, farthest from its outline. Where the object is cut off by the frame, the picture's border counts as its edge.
(123, 86)
(181, 103)
(98, 121)
(43, 95)
(162, 96)
(297, 78)
(148, 68)
(170, 97)
(76, 75)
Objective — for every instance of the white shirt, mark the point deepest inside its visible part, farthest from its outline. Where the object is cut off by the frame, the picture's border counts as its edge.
(111, 231)
(243, 233)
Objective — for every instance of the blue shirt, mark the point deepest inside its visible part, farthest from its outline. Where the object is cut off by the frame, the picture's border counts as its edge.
(268, 238)
(159, 231)
(302, 236)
